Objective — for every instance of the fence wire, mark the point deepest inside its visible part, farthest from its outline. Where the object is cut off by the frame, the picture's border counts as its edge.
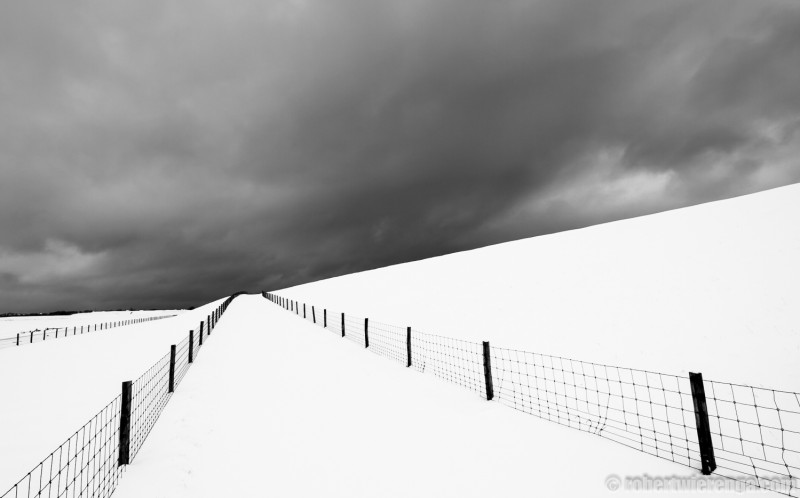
(84, 465)
(755, 431)
(150, 396)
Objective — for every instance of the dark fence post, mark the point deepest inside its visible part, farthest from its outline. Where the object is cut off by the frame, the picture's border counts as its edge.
(313, 315)
(191, 346)
(487, 370)
(304, 310)
(17, 338)
(125, 423)
(172, 369)
(703, 428)
(325, 317)
(201, 333)
(342, 324)
(366, 332)
(408, 345)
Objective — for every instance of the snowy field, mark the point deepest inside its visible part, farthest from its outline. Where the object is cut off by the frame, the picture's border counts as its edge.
(49, 389)
(279, 407)
(13, 325)
(713, 288)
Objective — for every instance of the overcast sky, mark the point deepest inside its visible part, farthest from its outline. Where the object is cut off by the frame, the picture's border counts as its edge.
(159, 153)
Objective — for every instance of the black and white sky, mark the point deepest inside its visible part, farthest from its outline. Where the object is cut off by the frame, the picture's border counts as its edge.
(162, 153)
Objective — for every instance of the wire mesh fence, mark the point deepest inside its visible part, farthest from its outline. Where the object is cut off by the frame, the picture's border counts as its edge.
(754, 432)
(49, 333)
(90, 462)
(83, 465)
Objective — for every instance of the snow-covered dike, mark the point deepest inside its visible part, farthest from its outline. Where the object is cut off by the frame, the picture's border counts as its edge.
(713, 288)
(279, 407)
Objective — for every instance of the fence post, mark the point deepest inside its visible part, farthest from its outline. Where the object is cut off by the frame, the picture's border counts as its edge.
(703, 428)
(125, 423)
(17, 338)
(313, 315)
(325, 317)
(201, 333)
(172, 369)
(366, 332)
(487, 370)
(408, 345)
(304, 310)
(342, 324)
(191, 346)
(208, 325)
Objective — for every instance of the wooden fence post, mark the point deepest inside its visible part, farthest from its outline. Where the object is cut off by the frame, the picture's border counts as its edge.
(201, 333)
(191, 346)
(366, 332)
(707, 460)
(342, 324)
(172, 369)
(125, 423)
(313, 315)
(17, 338)
(487, 370)
(408, 345)
(325, 317)
(304, 311)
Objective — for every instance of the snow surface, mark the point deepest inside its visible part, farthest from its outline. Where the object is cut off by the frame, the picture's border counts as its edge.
(49, 389)
(276, 406)
(713, 288)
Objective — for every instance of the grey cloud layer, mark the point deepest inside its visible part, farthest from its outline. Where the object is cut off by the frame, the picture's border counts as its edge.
(154, 154)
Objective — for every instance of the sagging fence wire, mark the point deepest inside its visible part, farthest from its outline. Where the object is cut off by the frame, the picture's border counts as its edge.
(39, 335)
(746, 433)
(90, 462)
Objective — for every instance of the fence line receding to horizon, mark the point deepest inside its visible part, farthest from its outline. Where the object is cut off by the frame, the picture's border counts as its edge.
(90, 462)
(746, 433)
(39, 335)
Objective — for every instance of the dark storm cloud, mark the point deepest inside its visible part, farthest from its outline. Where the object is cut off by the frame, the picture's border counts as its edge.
(157, 155)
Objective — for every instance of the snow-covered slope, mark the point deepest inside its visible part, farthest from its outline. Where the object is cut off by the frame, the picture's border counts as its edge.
(713, 288)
